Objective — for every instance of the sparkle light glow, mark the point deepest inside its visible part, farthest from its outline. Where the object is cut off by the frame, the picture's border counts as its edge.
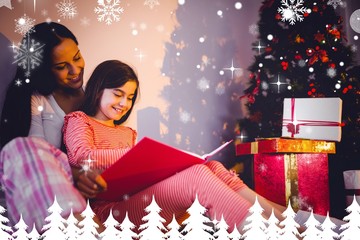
(270, 37)
(232, 69)
(219, 13)
(311, 69)
(278, 83)
(140, 55)
(181, 2)
(238, 5)
(40, 108)
(259, 47)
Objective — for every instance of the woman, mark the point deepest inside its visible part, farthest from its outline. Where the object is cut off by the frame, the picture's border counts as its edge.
(33, 169)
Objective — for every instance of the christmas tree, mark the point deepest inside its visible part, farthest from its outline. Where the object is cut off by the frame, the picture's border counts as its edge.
(301, 52)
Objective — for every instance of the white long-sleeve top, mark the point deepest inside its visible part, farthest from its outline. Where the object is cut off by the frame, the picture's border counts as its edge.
(47, 119)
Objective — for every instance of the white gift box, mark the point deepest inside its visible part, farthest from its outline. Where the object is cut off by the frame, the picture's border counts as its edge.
(312, 118)
(352, 185)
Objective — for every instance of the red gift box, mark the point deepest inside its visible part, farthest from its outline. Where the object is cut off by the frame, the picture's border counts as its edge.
(300, 178)
(294, 170)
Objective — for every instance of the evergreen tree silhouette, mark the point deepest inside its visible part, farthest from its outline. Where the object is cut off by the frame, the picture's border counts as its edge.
(72, 229)
(235, 234)
(351, 229)
(5, 230)
(126, 229)
(55, 226)
(312, 231)
(327, 229)
(20, 232)
(222, 230)
(196, 225)
(88, 225)
(256, 224)
(308, 59)
(111, 232)
(153, 226)
(34, 234)
(289, 229)
(272, 231)
(173, 230)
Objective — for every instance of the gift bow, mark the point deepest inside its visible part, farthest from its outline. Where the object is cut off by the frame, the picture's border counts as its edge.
(293, 125)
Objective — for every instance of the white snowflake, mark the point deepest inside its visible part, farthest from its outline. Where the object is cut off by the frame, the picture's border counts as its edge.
(262, 167)
(18, 82)
(85, 21)
(66, 9)
(44, 12)
(353, 48)
(24, 25)
(203, 84)
(6, 3)
(185, 117)
(254, 29)
(331, 72)
(28, 54)
(109, 11)
(292, 11)
(151, 3)
(335, 3)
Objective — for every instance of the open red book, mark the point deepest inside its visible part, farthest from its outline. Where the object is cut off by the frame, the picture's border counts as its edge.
(147, 163)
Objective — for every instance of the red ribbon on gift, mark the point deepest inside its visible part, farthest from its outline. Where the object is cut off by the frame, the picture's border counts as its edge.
(294, 127)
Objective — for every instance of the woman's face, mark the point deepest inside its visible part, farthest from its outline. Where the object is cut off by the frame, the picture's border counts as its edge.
(68, 65)
(116, 102)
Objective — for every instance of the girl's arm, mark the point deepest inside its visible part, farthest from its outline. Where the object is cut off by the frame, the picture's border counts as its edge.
(79, 137)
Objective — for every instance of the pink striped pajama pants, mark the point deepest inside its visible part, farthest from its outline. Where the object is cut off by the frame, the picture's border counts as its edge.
(33, 172)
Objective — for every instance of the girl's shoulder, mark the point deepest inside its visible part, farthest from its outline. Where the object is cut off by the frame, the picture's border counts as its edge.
(77, 114)
(76, 117)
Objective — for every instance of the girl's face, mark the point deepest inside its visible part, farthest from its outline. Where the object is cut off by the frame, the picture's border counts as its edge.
(68, 65)
(115, 103)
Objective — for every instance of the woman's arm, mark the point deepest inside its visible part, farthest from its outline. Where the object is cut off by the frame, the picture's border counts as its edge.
(36, 125)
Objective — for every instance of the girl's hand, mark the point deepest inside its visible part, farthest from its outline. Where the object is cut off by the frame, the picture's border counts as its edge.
(89, 183)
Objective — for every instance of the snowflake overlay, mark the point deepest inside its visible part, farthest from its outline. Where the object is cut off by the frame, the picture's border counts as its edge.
(24, 25)
(292, 11)
(185, 117)
(109, 11)
(28, 55)
(151, 3)
(203, 84)
(67, 9)
(335, 3)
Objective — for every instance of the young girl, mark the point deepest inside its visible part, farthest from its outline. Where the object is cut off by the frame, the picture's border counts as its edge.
(98, 131)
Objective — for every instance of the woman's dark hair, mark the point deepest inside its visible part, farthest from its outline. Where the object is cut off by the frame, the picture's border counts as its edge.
(108, 74)
(16, 113)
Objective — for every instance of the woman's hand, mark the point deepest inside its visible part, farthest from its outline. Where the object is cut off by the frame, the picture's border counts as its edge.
(89, 183)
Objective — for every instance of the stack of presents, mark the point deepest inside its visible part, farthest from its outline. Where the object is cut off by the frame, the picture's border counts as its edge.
(294, 167)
